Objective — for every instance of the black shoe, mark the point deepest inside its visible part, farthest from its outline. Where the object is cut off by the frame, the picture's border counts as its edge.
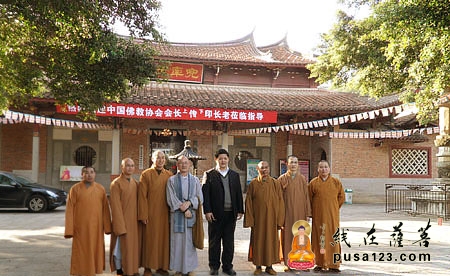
(317, 269)
(230, 272)
(213, 271)
(334, 270)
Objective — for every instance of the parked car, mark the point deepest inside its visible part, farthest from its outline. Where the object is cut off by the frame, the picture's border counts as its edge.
(20, 192)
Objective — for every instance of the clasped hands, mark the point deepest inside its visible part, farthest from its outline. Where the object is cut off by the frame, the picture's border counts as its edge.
(184, 207)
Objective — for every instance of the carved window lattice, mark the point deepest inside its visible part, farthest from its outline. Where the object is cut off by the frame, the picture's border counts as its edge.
(410, 162)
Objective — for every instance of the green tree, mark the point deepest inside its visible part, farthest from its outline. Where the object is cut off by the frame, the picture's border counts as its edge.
(66, 49)
(402, 47)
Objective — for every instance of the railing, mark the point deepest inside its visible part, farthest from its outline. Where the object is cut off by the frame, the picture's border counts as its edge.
(423, 199)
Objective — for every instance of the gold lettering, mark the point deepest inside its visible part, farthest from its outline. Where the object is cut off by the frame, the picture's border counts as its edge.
(176, 71)
(192, 73)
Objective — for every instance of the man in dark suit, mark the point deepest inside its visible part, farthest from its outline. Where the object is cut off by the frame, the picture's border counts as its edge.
(223, 206)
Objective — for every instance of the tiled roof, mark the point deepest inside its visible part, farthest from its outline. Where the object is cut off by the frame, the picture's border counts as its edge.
(240, 51)
(281, 51)
(255, 98)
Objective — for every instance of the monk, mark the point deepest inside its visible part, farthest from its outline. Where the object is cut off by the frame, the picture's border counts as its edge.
(66, 174)
(327, 197)
(87, 220)
(184, 194)
(124, 246)
(264, 213)
(153, 213)
(296, 202)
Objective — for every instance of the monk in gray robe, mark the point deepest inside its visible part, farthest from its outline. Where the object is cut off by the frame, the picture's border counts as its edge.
(184, 193)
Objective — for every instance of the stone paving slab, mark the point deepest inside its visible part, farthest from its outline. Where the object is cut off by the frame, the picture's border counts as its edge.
(33, 245)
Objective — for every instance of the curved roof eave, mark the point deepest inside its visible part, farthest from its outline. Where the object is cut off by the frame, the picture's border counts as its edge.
(283, 100)
(242, 50)
(229, 62)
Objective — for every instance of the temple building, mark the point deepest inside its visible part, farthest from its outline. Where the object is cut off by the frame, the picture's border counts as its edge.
(256, 101)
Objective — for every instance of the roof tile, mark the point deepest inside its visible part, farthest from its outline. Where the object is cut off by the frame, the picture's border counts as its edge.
(259, 98)
(238, 51)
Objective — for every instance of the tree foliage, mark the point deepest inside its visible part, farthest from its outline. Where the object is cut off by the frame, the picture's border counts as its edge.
(402, 47)
(67, 49)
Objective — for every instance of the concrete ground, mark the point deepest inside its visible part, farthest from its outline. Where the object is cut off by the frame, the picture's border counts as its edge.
(33, 244)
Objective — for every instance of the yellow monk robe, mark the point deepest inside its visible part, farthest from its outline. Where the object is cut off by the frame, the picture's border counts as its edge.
(123, 202)
(297, 206)
(87, 220)
(301, 250)
(153, 207)
(327, 198)
(264, 213)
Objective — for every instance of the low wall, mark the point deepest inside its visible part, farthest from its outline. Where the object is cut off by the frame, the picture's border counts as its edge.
(372, 190)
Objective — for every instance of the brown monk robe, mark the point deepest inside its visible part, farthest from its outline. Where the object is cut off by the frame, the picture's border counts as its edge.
(123, 201)
(327, 196)
(87, 220)
(153, 212)
(264, 213)
(296, 202)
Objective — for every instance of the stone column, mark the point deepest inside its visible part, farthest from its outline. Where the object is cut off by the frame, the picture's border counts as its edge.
(443, 139)
(35, 154)
(115, 163)
(289, 145)
(225, 140)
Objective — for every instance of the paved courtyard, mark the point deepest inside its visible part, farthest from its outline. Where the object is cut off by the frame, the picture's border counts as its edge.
(33, 244)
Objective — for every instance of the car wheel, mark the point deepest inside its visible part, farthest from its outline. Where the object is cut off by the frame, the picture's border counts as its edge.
(37, 203)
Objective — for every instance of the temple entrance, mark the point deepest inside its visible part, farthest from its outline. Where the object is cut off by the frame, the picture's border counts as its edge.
(170, 145)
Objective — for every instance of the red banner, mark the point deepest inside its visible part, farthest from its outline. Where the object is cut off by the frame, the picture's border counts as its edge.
(178, 113)
(187, 72)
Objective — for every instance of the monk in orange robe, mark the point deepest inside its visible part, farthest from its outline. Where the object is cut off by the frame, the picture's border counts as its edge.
(87, 220)
(124, 248)
(296, 203)
(154, 212)
(264, 213)
(327, 196)
(66, 174)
